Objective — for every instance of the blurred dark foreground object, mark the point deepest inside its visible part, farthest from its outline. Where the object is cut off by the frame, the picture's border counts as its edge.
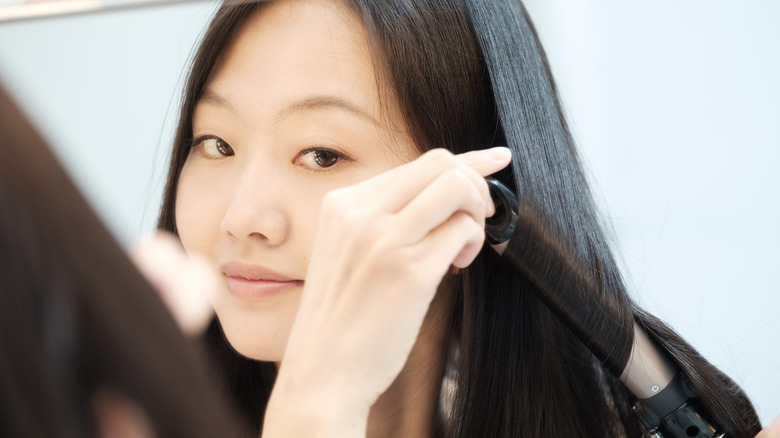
(77, 319)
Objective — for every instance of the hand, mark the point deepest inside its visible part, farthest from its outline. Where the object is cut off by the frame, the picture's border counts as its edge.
(772, 430)
(382, 248)
(186, 283)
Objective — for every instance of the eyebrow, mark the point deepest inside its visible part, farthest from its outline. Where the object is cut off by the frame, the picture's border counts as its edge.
(301, 106)
(214, 99)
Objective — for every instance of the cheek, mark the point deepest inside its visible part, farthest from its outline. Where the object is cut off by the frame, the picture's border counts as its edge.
(302, 208)
(308, 232)
(197, 211)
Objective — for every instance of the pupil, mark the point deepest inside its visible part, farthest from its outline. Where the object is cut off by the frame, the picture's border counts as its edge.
(325, 158)
(221, 147)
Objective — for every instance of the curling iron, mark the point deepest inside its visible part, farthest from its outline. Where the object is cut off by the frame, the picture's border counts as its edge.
(665, 403)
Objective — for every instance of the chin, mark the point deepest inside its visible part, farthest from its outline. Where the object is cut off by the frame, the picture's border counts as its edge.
(254, 335)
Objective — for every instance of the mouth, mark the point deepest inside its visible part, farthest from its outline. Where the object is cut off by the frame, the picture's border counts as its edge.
(256, 283)
(257, 290)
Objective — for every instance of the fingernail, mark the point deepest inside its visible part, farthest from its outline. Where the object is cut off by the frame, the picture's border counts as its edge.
(500, 153)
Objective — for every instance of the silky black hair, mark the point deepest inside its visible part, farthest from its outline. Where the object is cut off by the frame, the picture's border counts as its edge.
(77, 317)
(471, 74)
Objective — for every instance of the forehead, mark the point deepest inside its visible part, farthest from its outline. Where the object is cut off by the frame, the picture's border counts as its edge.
(292, 49)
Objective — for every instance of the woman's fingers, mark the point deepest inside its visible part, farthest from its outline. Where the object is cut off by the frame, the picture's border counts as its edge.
(422, 194)
(451, 192)
(457, 241)
(488, 161)
(381, 249)
(405, 203)
(408, 180)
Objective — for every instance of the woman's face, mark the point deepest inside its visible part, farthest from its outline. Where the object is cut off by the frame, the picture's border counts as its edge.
(291, 112)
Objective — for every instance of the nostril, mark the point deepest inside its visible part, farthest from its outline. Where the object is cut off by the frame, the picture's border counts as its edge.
(267, 227)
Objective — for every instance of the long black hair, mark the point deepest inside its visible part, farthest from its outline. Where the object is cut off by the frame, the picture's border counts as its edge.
(77, 317)
(471, 75)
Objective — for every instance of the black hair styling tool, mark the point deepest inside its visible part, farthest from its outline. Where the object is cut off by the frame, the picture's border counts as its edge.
(665, 403)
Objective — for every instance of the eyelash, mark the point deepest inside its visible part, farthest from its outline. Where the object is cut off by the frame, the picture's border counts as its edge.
(318, 167)
(197, 145)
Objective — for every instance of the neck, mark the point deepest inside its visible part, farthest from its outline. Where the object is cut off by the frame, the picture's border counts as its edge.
(409, 406)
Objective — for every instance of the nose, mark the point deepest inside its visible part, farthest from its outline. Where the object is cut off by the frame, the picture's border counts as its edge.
(256, 210)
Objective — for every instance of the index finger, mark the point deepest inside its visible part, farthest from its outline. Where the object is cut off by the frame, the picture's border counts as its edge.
(486, 165)
(409, 179)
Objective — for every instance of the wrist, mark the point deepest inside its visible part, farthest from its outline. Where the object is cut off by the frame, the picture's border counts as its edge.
(313, 411)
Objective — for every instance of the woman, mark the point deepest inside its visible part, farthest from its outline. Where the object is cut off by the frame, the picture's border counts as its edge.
(329, 158)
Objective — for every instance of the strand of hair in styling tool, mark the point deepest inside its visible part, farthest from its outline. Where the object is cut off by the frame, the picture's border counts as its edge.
(665, 403)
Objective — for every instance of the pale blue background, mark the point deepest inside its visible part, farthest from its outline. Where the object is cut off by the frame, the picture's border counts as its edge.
(675, 105)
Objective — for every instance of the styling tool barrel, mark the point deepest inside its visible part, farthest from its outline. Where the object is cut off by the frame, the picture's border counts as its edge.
(665, 403)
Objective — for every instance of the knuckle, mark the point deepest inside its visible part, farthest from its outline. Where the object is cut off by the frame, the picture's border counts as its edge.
(458, 183)
(457, 176)
(441, 159)
(477, 230)
(463, 219)
(341, 209)
(472, 224)
(439, 154)
(335, 201)
(464, 188)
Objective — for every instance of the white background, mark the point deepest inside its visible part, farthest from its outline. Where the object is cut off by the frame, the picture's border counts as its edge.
(675, 105)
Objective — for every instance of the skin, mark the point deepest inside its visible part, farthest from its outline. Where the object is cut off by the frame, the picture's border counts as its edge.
(183, 281)
(772, 430)
(261, 205)
(299, 168)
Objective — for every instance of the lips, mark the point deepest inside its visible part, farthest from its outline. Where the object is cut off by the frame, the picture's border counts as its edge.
(254, 282)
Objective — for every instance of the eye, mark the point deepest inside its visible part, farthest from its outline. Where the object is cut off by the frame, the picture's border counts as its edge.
(212, 147)
(319, 158)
